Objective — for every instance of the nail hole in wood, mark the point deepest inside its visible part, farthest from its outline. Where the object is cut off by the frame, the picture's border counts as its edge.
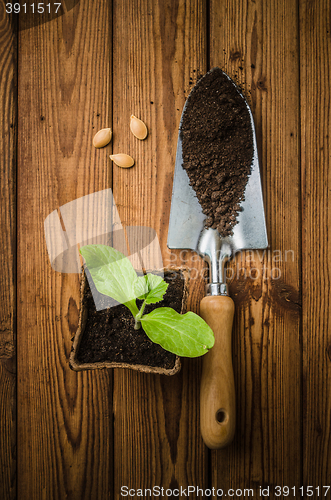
(221, 416)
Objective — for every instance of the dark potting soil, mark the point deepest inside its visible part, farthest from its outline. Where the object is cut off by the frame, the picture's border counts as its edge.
(109, 334)
(217, 145)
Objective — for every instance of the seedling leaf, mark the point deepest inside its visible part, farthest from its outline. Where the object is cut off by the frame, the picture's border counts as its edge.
(112, 273)
(185, 335)
(150, 288)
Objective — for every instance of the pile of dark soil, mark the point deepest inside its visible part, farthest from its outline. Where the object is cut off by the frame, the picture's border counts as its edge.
(109, 334)
(217, 148)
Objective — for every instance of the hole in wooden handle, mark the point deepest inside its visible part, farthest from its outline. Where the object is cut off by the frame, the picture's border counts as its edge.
(222, 416)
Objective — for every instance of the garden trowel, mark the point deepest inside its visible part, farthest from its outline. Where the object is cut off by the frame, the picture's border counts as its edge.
(187, 231)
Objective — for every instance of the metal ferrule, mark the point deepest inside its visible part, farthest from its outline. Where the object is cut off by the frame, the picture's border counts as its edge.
(216, 289)
(216, 251)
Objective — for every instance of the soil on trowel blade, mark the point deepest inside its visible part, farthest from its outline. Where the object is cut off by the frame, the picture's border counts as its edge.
(217, 143)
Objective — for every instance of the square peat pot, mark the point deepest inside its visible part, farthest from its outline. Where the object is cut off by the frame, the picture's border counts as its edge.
(106, 337)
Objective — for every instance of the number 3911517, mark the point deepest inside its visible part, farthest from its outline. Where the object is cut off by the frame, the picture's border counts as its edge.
(35, 8)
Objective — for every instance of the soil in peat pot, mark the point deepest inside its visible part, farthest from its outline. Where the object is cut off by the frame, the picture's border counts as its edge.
(109, 334)
(217, 143)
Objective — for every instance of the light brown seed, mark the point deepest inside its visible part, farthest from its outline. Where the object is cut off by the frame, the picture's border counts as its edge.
(138, 128)
(122, 160)
(102, 138)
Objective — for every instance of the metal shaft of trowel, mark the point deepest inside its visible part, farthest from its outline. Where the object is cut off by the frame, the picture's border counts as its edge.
(216, 251)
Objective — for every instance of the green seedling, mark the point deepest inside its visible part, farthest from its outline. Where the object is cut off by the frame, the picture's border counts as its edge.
(113, 275)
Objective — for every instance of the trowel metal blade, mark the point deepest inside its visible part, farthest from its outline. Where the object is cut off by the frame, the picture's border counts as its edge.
(186, 217)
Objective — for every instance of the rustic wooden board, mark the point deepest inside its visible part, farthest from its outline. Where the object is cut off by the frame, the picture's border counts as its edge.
(64, 418)
(8, 428)
(315, 75)
(71, 425)
(158, 46)
(256, 43)
(8, 114)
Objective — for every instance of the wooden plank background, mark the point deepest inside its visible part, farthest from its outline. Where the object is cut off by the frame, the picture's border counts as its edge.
(256, 45)
(315, 38)
(64, 426)
(84, 435)
(8, 150)
(156, 420)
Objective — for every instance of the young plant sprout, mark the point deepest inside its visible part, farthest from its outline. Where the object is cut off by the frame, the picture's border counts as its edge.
(113, 275)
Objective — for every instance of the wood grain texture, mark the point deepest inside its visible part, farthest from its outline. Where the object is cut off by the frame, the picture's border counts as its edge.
(256, 43)
(315, 53)
(157, 47)
(64, 418)
(84, 435)
(8, 429)
(217, 391)
(8, 143)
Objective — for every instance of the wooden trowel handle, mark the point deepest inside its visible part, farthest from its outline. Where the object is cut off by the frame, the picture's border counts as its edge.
(217, 392)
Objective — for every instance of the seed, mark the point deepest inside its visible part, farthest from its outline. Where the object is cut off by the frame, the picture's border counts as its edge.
(122, 160)
(102, 138)
(138, 128)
